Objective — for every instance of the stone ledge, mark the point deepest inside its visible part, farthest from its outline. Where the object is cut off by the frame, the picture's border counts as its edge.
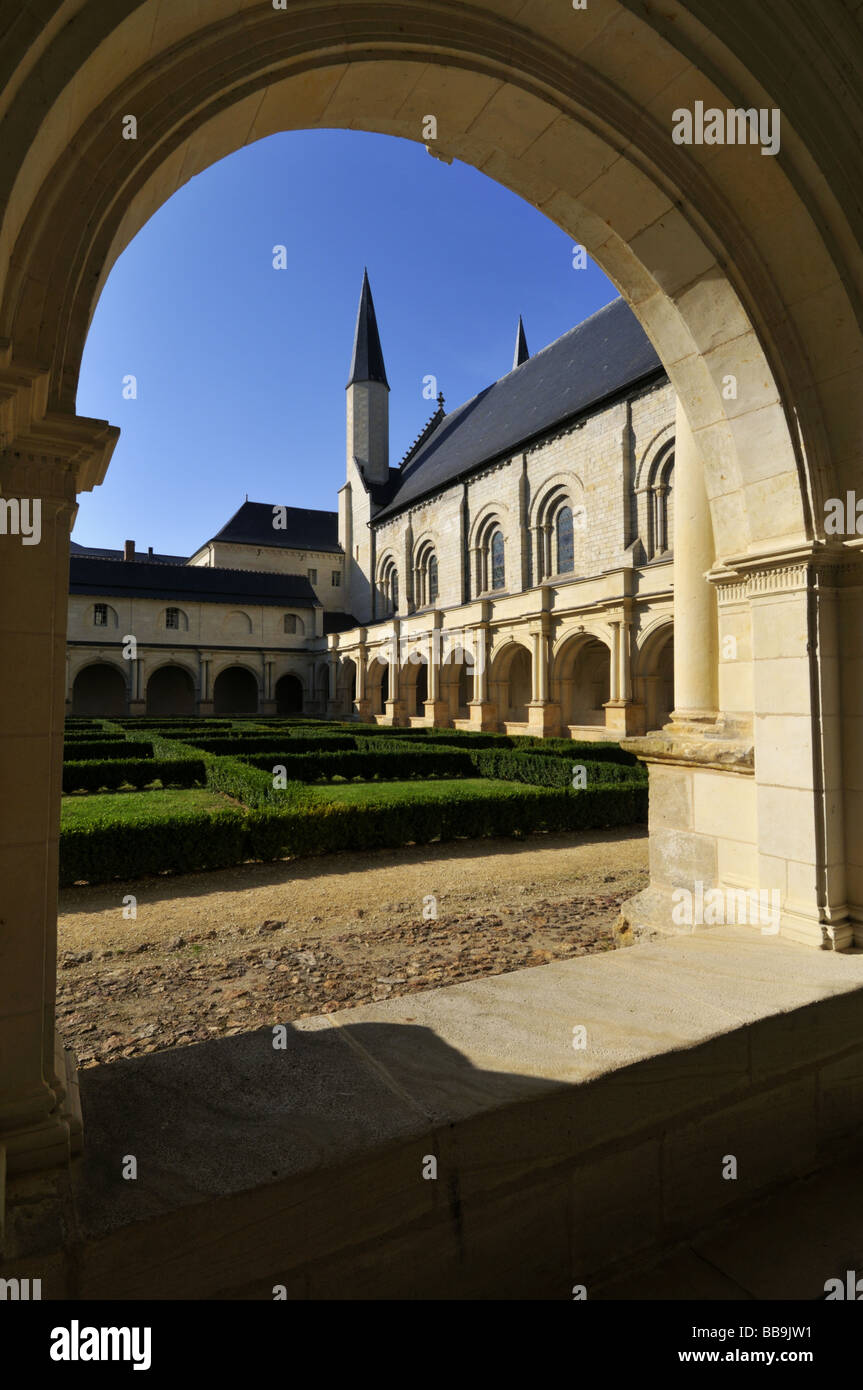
(304, 1167)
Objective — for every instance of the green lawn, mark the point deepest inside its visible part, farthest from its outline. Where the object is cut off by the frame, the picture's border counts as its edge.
(79, 811)
(390, 793)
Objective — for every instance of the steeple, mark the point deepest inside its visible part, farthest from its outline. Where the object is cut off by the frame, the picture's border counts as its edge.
(367, 398)
(368, 359)
(521, 352)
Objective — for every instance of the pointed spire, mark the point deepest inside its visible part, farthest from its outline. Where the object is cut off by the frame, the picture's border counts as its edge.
(521, 352)
(367, 363)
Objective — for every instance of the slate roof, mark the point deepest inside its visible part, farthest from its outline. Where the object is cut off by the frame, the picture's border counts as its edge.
(305, 529)
(189, 583)
(96, 552)
(367, 363)
(600, 358)
(339, 622)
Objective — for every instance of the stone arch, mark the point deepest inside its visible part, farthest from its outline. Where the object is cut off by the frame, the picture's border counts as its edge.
(581, 678)
(378, 683)
(621, 152)
(414, 683)
(456, 681)
(237, 623)
(289, 694)
(654, 672)
(744, 271)
(510, 681)
(170, 690)
(100, 688)
(235, 691)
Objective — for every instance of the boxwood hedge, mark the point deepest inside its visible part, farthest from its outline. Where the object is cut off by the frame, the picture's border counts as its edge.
(183, 843)
(94, 774)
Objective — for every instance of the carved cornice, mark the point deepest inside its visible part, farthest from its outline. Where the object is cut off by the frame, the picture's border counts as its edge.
(33, 437)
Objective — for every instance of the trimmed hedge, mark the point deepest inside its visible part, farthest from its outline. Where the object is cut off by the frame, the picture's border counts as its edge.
(104, 748)
(94, 774)
(263, 743)
(186, 843)
(399, 764)
(179, 844)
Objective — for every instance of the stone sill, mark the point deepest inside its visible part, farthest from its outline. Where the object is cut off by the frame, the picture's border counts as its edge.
(555, 1164)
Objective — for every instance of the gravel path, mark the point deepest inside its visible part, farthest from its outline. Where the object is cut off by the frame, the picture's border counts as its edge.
(213, 954)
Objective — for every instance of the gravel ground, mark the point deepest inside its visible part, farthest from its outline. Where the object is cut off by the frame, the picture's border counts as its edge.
(213, 954)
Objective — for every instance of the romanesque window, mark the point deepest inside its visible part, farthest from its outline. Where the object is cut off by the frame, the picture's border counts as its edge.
(565, 541)
(389, 587)
(498, 572)
(100, 614)
(290, 622)
(425, 577)
(660, 484)
(172, 617)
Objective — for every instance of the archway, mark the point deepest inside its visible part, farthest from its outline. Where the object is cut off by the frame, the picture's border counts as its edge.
(655, 679)
(511, 683)
(414, 684)
(583, 681)
(378, 685)
(289, 695)
(170, 691)
(99, 689)
(744, 270)
(235, 691)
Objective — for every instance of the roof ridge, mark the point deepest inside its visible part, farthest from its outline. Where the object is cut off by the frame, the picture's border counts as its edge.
(432, 422)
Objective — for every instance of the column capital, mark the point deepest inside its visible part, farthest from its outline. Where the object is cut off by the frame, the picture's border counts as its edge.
(34, 437)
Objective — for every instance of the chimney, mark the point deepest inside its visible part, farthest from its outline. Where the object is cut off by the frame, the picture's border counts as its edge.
(149, 550)
(128, 550)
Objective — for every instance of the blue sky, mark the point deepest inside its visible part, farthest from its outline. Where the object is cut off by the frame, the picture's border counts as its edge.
(241, 368)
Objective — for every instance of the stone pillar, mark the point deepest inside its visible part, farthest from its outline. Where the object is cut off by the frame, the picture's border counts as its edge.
(695, 620)
(543, 717)
(205, 689)
(395, 705)
(435, 709)
(623, 681)
(614, 664)
(135, 683)
(362, 704)
(483, 714)
(40, 1125)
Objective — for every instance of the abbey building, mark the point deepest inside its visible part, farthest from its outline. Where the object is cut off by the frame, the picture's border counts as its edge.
(512, 571)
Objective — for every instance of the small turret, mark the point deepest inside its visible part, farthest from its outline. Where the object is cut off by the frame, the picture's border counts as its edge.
(368, 395)
(521, 352)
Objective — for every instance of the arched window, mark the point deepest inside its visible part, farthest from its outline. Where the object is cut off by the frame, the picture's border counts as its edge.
(389, 588)
(660, 488)
(425, 576)
(498, 572)
(290, 622)
(176, 620)
(565, 542)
